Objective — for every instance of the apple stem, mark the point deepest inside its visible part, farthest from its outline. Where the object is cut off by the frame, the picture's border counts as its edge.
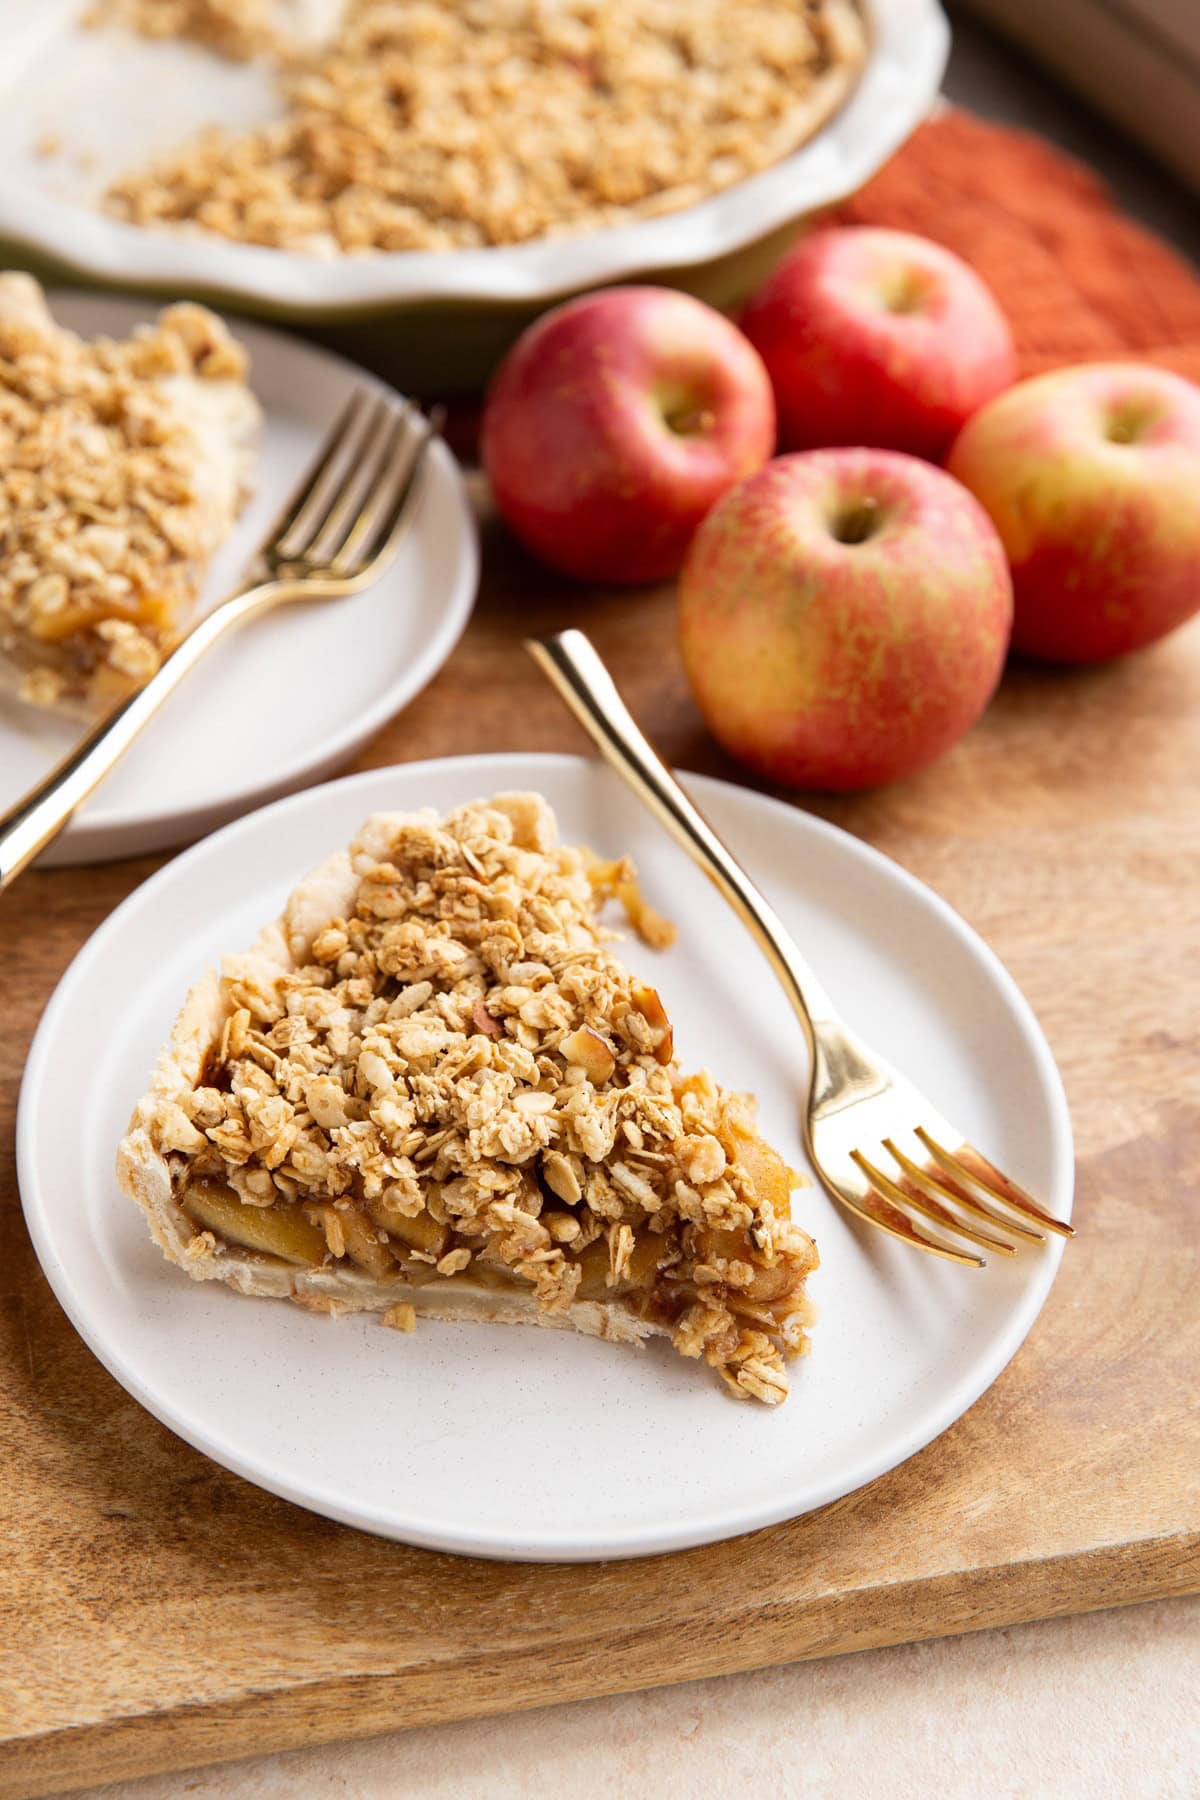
(690, 421)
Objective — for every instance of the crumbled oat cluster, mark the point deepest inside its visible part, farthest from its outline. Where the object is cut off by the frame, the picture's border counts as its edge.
(238, 29)
(462, 1080)
(438, 124)
(108, 507)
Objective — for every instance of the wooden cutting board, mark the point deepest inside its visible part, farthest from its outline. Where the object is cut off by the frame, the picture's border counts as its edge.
(158, 1612)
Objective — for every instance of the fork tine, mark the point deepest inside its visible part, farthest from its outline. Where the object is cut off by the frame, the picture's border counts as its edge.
(316, 475)
(909, 1193)
(389, 464)
(368, 466)
(968, 1165)
(886, 1217)
(338, 496)
(380, 523)
(942, 1185)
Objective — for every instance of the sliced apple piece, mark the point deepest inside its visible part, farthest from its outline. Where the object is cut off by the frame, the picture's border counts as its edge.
(768, 1174)
(595, 1263)
(420, 1233)
(768, 1283)
(362, 1243)
(281, 1231)
(593, 1267)
(618, 880)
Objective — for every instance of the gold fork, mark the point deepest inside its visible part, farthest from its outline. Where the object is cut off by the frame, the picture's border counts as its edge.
(876, 1143)
(336, 534)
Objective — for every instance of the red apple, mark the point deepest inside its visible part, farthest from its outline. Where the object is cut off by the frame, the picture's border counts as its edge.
(615, 422)
(878, 337)
(843, 617)
(1092, 478)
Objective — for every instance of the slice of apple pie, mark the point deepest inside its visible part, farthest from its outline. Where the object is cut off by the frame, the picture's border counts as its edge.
(123, 467)
(431, 1087)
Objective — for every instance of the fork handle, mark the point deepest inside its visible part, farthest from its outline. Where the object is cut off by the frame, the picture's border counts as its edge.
(40, 815)
(572, 665)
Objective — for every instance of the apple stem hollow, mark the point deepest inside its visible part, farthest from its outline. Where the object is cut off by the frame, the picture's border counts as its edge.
(905, 291)
(1128, 421)
(857, 521)
(689, 421)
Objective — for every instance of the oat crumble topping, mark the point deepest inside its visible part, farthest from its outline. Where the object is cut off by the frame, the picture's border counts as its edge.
(463, 1083)
(238, 29)
(440, 124)
(111, 498)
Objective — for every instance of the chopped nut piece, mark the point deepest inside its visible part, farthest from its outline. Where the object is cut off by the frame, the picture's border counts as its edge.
(561, 1178)
(564, 1228)
(483, 1021)
(647, 1002)
(591, 1053)
(401, 1318)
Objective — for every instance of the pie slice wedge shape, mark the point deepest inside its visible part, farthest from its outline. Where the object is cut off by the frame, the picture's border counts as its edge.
(432, 1088)
(123, 467)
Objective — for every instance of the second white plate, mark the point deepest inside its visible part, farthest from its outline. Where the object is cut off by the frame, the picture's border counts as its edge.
(294, 695)
(541, 1445)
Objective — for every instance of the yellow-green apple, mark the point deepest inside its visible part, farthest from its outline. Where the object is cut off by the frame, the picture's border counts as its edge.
(844, 616)
(1092, 478)
(878, 337)
(613, 425)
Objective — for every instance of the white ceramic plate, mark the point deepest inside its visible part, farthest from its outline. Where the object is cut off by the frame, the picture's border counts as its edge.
(295, 694)
(541, 1445)
(60, 82)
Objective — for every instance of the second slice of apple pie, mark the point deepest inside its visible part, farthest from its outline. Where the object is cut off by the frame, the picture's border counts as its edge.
(124, 464)
(431, 1088)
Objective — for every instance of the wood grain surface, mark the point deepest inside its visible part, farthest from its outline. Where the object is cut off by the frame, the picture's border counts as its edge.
(157, 1612)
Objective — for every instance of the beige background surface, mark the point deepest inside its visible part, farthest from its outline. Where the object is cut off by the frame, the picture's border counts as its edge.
(1102, 1706)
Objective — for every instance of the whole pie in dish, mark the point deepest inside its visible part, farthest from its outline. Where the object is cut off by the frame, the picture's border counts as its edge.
(123, 466)
(431, 1088)
(443, 125)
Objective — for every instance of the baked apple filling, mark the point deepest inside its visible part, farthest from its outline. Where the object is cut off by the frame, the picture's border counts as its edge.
(432, 1088)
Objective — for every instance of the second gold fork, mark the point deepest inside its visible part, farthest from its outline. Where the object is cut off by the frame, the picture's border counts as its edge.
(878, 1145)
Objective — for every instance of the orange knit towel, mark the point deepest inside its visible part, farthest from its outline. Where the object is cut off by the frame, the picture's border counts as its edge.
(1079, 281)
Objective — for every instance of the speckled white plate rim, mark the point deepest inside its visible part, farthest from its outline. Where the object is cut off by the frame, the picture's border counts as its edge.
(479, 773)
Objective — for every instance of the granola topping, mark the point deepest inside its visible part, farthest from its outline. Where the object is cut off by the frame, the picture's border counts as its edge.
(238, 29)
(440, 124)
(413, 1096)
